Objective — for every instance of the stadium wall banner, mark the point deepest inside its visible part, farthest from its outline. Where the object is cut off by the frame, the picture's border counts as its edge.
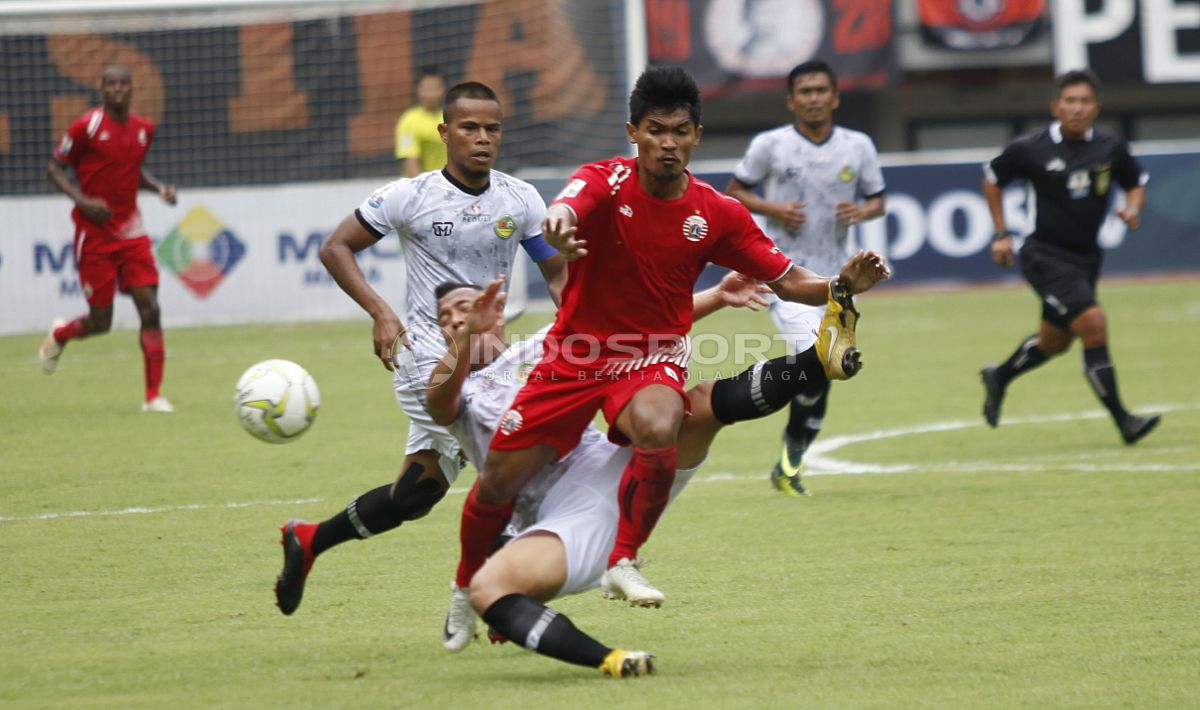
(1151, 41)
(224, 256)
(242, 101)
(972, 25)
(746, 45)
(250, 254)
(938, 228)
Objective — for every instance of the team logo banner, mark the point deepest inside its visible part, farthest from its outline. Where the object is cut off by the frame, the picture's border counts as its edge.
(748, 45)
(980, 24)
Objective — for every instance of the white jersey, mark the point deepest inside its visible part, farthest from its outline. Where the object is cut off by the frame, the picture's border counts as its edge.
(574, 498)
(843, 168)
(448, 234)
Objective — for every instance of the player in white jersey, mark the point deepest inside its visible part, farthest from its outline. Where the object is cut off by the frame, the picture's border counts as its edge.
(462, 223)
(565, 519)
(818, 179)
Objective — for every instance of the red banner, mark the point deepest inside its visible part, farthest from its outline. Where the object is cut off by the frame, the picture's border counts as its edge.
(980, 24)
(742, 45)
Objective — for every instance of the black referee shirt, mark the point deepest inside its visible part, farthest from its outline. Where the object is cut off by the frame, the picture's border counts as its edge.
(1072, 181)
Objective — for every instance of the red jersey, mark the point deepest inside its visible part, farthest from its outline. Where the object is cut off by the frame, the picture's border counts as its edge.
(632, 293)
(107, 156)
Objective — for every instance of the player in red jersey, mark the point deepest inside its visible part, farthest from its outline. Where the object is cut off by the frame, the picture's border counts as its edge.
(106, 147)
(638, 232)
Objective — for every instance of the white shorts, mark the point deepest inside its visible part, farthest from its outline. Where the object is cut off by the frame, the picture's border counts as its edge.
(410, 379)
(581, 510)
(797, 323)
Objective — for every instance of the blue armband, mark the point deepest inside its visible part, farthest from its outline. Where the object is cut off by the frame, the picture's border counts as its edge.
(538, 249)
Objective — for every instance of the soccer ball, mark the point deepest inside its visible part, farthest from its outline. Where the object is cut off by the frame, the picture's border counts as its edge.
(276, 401)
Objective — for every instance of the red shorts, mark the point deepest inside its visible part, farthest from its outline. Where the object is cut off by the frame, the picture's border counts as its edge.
(556, 404)
(105, 263)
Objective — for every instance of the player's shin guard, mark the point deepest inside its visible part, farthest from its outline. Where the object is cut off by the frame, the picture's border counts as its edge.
(481, 523)
(541, 629)
(644, 492)
(766, 387)
(153, 356)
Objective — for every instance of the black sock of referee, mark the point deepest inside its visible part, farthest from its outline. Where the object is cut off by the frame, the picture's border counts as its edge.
(766, 387)
(1026, 357)
(535, 626)
(1103, 378)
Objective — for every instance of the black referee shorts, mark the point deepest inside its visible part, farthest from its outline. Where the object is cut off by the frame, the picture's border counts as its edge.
(1064, 280)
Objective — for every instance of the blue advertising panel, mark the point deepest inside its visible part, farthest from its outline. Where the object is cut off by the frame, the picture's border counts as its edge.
(938, 228)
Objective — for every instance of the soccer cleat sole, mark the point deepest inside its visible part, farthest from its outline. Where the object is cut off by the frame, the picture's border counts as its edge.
(644, 603)
(623, 664)
(851, 362)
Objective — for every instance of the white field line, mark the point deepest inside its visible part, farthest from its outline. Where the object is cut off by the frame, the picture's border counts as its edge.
(818, 462)
(143, 510)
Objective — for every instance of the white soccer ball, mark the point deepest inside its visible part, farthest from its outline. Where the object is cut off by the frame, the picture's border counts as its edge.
(276, 401)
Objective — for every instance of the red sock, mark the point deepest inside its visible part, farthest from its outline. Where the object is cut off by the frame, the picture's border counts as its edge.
(481, 523)
(645, 490)
(153, 356)
(70, 331)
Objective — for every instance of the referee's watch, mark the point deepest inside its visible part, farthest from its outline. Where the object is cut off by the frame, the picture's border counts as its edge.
(1003, 234)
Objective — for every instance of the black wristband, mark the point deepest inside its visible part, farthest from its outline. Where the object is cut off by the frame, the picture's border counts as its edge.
(1003, 234)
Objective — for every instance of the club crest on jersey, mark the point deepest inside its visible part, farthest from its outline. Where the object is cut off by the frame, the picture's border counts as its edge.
(695, 228)
(846, 174)
(505, 226)
(511, 422)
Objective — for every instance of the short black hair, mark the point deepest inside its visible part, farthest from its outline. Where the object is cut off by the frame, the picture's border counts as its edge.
(812, 66)
(446, 287)
(466, 90)
(1076, 76)
(664, 88)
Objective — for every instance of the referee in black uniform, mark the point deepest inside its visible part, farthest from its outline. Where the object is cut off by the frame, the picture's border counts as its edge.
(1072, 166)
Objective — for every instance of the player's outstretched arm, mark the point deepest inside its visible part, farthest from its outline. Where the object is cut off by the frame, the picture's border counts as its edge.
(337, 255)
(735, 291)
(559, 228)
(860, 273)
(443, 395)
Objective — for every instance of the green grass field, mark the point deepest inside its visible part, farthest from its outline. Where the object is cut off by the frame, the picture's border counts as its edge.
(1041, 564)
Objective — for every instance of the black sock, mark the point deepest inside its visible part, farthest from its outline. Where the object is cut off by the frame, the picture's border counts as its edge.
(537, 627)
(766, 387)
(806, 414)
(1103, 377)
(381, 509)
(342, 527)
(1026, 357)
